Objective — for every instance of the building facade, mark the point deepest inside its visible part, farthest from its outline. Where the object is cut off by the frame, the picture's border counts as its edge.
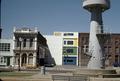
(83, 48)
(29, 46)
(69, 47)
(111, 48)
(6, 52)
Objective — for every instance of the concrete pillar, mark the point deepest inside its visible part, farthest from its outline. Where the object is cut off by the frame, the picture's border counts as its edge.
(96, 27)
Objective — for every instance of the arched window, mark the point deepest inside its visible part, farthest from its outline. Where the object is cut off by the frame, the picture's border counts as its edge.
(30, 59)
(24, 59)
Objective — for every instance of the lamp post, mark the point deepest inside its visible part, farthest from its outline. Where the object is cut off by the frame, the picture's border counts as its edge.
(43, 61)
(20, 40)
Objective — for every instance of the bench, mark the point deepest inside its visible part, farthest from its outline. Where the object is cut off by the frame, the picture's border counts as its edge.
(68, 78)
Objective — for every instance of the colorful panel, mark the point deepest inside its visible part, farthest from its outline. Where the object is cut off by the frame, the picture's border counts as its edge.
(69, 60)
(69, 50)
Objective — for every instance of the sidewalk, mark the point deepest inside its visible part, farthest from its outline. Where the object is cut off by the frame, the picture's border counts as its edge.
(36, 77)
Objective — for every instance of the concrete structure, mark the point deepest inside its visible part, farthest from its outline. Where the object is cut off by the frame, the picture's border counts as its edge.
(29, 46)
(96, 7)
(6, 52)
(70, 47)
(111, 49)
(54, 52)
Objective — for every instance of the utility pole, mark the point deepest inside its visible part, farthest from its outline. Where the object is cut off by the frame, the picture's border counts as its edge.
(20, 40)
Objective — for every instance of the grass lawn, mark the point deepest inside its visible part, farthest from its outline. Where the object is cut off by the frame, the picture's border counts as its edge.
(16, 74)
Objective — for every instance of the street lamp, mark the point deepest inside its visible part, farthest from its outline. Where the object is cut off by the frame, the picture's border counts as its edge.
(20, 40)
(43, 61)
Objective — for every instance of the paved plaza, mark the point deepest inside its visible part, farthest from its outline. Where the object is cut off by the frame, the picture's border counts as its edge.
(58, 70)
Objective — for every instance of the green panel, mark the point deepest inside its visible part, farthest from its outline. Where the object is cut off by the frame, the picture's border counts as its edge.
(69, 50)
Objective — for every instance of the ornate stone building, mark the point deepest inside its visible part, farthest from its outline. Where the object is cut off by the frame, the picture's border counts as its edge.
(29, 46)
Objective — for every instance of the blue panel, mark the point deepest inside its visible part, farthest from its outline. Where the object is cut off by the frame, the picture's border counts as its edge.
(69, 60)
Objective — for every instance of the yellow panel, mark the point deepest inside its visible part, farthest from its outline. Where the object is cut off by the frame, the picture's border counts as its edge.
(57, 34)
(75, 42)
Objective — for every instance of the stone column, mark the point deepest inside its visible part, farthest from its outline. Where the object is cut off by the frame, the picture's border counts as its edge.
(27, 58)
(20, 59)
(34, 59)
(35, 44)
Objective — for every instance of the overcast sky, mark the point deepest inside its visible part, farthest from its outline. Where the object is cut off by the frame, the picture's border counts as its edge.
(53, 15)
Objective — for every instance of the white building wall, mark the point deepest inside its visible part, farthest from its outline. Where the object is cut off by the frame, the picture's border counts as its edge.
(7, 53)
(55, 47)
(69, 36)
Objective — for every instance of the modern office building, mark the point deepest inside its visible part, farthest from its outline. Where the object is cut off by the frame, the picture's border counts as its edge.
(111, 48)
(69, 47)
(29, 46)
(6, 52)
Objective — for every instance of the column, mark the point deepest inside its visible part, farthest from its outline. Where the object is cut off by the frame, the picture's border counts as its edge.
(34, 59)
(20, 59)
(27, 59)
(35, 44)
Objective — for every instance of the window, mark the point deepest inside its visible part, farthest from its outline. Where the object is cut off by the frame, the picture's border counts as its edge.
(70, 42)
(24, 43)
(1, 60)
(68, 34)
(87, 40)
(69, 50)
(105, 50)
(116, 42)
(5, 59)
(117, 50)
(30, 59)
(69, 60)
(31, 42)
(4, 46)
(85, 48)
(117, 58)
(64, 42)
